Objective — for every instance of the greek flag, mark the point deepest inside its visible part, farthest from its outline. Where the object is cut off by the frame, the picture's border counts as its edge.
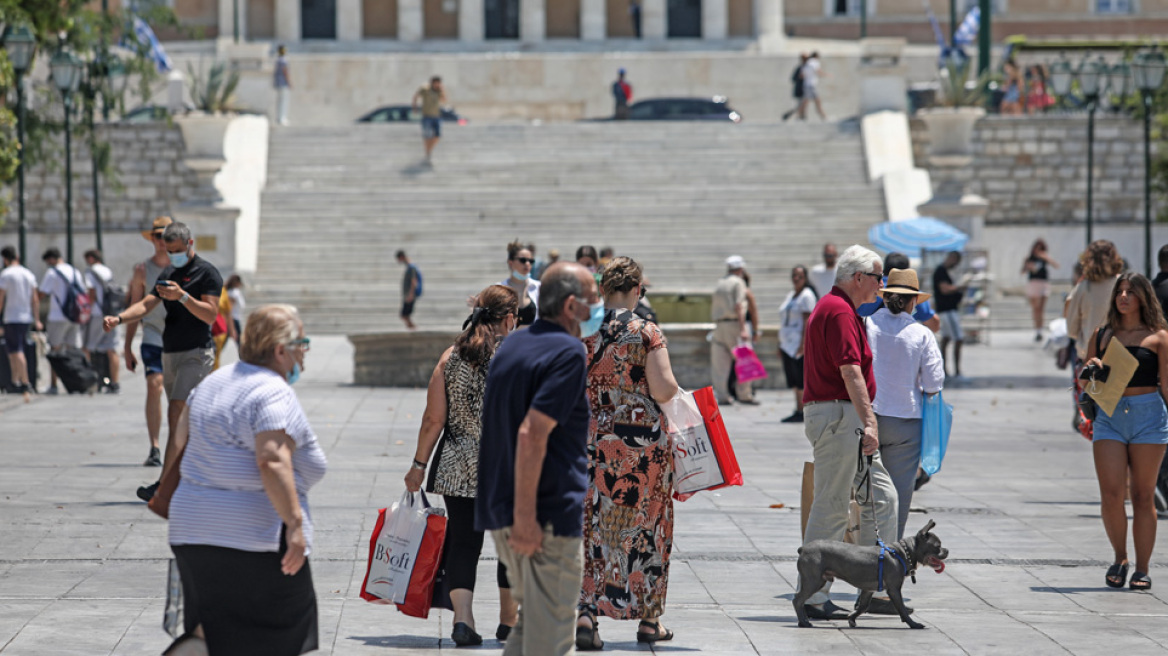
(143, 35)
(967, 31)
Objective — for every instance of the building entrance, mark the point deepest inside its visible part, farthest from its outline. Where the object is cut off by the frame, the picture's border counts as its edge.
(318, 19)
(502, 19)
(685, 18)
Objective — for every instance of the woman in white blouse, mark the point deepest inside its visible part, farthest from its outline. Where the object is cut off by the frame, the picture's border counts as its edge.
(240, 526)
(794, 313)
(907, 364)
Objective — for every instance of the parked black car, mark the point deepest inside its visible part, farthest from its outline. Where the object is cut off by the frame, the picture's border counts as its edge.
(683, 109)
(403, 113)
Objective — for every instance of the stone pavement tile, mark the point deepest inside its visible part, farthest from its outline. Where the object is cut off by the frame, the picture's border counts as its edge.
(739, 583)
(15, 613)
(1104, 635)
(778, 634)
(33, 579)
(1084, 586)
(1008, 588)
(77, 626)
(986, 633)
(123, 579)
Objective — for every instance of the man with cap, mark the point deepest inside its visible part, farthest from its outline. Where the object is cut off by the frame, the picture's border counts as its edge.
(728, 312)
(622, 95)
(142, 281)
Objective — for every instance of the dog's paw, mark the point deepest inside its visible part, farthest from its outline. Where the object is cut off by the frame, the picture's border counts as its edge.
(804, 624)
(914, 625)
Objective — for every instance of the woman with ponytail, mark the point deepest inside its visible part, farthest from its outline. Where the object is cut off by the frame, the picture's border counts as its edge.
(454, 402)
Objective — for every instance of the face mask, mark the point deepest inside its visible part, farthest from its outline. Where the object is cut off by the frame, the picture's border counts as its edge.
(591, 269)
(294, 375)
(592, 325)
(521, 277)
(179, 260)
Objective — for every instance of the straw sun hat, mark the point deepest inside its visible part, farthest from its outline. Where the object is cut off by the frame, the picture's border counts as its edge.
(904, 281)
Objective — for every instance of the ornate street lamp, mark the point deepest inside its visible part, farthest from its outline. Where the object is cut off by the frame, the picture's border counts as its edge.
(65, 69)
(1149, 75)
(1120, 83)
(20, 46)
(1091, 74)
(1061, 76)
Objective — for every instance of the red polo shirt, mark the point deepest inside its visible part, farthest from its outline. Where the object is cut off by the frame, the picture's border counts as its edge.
(835, 337)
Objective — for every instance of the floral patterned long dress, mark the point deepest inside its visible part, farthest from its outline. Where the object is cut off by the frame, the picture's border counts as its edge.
(628, 513)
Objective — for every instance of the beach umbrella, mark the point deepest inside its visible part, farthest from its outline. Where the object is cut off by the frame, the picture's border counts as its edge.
(914, 236)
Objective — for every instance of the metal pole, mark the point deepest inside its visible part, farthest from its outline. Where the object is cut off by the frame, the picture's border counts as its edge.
(68, 181)
(23, 222)
(96, 187)
(235, 18)
(103, 58)
(984, 38)
(1148, 184)
(863, 19)
(952, 21)
(1090, 165)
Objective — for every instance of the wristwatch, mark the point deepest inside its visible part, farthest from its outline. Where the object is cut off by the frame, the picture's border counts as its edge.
(418, 465)
(184, 298)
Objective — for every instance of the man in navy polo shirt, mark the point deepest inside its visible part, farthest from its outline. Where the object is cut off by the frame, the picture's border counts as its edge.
(533, 463)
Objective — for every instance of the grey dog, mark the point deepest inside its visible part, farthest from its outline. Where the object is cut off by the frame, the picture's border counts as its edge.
(826, 560)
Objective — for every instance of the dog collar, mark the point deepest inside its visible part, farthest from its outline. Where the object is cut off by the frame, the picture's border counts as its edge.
(911, 565)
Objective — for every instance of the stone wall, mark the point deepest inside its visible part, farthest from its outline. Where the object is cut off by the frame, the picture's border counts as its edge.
(1033, 169)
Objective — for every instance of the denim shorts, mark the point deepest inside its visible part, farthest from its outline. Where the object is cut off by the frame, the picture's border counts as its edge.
(1141, 419)
(151, 358)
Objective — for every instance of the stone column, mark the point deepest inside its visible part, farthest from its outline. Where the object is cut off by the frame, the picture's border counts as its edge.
(653, 19)
(532, 20)
(349, 26)
(715, 19)
(471, 21)
(226, 21)
(409, 20)
(768, 20)
(288, 20)
(593, 20)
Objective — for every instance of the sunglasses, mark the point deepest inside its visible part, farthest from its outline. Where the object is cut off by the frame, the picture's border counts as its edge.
(524, 260)
(878, 276)
(156, 235)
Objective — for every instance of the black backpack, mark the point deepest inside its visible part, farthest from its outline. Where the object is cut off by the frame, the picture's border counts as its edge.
(113, 298)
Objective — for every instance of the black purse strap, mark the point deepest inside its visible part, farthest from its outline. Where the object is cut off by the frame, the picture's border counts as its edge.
(607, 338)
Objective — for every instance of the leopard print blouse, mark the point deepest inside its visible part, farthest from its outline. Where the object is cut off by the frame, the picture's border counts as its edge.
(457, 471)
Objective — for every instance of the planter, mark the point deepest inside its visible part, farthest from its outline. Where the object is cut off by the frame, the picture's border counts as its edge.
(951, 131)
(204, 134)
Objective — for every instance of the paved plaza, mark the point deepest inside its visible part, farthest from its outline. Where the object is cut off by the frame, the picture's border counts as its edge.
(83, 563)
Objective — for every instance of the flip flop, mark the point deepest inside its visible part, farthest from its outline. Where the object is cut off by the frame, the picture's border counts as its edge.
(1140, 581)
(1117, 575)
(656, 635)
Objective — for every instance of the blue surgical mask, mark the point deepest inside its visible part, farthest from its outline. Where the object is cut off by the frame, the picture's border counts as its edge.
(595, 319)
(293, 375)
(521, 277)
(179, 260)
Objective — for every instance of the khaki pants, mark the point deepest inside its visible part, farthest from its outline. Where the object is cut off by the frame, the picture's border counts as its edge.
(831, 429)
(546, 586)
(722, 358)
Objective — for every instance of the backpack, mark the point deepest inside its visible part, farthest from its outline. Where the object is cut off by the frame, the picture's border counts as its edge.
(113, 297)
(77, 306)
(418, 273)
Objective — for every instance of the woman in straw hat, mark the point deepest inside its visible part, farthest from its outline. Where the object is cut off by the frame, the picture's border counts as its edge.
(907, 364)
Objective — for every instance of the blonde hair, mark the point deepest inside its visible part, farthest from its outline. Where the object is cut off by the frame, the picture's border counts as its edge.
(267, 328)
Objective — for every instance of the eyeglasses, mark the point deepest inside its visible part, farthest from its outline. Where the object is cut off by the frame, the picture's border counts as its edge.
(878, 276)
(524, 260)
(304, 344)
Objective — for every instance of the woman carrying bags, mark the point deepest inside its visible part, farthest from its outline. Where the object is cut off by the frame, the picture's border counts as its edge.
(628, 513)
(1134, 435)
(454, 403)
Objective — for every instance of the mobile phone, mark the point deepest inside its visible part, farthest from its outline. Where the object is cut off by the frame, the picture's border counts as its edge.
(164, 283)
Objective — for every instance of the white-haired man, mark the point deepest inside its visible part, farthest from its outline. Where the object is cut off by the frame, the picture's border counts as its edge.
(728, 312)
(837, 394)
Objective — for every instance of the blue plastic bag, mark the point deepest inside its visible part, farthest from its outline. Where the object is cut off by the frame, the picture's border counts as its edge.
(936, 422)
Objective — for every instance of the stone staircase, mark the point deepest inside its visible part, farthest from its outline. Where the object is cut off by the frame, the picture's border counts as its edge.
(678, 197)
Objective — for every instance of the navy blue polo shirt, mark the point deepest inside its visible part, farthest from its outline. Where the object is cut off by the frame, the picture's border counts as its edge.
(541, 367)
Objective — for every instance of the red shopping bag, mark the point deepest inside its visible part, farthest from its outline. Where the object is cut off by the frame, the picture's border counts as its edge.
(405, 552)
(702, 456)
(747, 365)
(720, 440)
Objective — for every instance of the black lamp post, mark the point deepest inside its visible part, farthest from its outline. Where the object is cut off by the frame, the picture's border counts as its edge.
(20, 46)
(65, 69)
(1149, 75)
(1090, 75)
(106, 76)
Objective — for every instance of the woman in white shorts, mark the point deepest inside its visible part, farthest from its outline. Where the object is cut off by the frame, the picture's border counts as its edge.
(1036, 267)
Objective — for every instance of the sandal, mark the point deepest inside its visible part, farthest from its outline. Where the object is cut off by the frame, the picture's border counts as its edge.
(1117, 575)
(588, 638)
(1140, 581)
(656, 636)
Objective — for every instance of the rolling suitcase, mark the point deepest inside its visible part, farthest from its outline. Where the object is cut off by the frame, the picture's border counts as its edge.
(30, 354)
(101, 364)
(73, 369)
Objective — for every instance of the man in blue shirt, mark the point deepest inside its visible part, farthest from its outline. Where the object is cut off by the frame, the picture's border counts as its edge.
(533, 462)
(922, 314)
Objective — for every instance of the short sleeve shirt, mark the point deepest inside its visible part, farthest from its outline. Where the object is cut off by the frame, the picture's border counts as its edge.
(541, 367)
(19, 284)
(96, 278)
(57, 287)
(431, 102)
(729, 293)
(408, 279)
(221, 500)
(791, 313)
(184, 331)
(836, 336)
(945, 302)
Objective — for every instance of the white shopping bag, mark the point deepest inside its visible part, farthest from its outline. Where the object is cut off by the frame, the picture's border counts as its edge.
(695, 465)
(396, 548)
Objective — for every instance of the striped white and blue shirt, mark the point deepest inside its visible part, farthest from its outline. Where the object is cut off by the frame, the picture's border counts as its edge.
(221, 500)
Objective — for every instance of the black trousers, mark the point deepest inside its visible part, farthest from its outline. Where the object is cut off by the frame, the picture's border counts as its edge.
(460, 553)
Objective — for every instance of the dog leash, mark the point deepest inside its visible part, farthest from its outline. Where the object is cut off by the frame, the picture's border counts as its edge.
(911, 571)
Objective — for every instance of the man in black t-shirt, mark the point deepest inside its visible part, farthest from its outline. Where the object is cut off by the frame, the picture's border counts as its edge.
(189, 288)
(946, 299)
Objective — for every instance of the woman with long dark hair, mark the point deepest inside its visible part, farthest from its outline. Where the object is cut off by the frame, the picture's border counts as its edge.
(454, 403)
(1133, 437)
(1038, 282)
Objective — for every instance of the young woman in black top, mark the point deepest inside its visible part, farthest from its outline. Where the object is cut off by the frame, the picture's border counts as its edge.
(1038, 282)
(1135, 434)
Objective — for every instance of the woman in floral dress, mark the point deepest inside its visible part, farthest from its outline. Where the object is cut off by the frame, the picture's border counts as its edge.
(628, 522)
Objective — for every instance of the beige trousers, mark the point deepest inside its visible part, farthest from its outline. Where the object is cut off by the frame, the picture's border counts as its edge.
(722, 359)
(546, 586)
(831, 429)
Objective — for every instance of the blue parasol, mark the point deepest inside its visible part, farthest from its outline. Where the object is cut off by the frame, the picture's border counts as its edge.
(913, 236)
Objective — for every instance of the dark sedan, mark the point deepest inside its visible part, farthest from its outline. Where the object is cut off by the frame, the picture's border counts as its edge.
(404, 114)
(683, 109)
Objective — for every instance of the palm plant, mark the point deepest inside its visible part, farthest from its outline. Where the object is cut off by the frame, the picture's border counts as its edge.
(956, 88)
(214, 93)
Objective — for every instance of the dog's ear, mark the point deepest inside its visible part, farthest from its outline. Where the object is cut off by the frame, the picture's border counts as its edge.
(928, 527)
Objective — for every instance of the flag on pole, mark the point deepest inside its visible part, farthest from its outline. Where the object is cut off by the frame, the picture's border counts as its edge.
(143, 35)
(967, 30)
(936, 28)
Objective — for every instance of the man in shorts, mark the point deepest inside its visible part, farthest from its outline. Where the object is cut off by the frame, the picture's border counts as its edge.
(431, 99)
(948, 299)
(22, 309)
(411, 282)
(153, 324)
(189, 288)
(54, 289)
(97, 280)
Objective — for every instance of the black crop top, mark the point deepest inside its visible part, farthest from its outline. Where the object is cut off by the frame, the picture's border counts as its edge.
(1148, 372)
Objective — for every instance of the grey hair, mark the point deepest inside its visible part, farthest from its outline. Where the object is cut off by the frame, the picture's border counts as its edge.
(555, 288)
(176, 232)
(856, 259)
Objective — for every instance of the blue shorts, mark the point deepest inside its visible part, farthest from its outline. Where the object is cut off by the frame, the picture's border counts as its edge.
(431, 127)
(1141, 419)
(14, 336)
(151, 358)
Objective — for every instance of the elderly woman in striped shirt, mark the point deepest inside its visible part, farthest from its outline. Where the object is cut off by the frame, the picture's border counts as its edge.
(240, 526)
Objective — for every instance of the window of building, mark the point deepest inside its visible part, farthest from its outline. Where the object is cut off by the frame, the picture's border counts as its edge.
(1113, 6)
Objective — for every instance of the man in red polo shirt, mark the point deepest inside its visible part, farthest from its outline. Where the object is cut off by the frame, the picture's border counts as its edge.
(837, 393)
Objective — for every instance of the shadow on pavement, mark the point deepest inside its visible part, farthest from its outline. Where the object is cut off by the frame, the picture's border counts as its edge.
(411, 641)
